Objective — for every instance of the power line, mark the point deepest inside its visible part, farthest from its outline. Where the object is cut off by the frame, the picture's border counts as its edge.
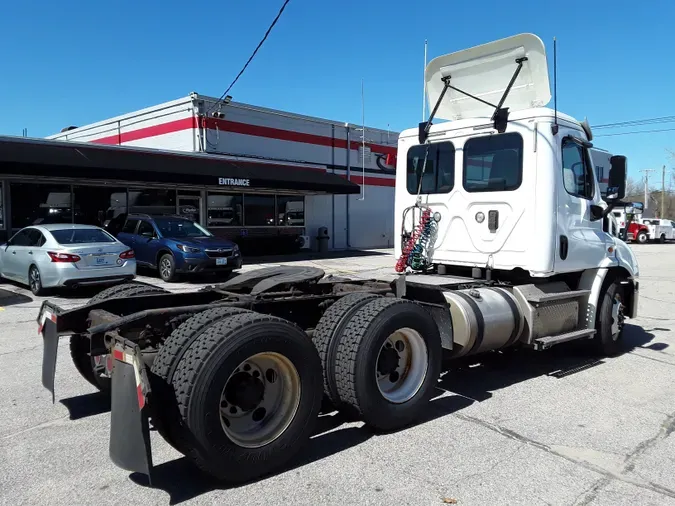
(638, 132)
(252, 55)
(637, 122)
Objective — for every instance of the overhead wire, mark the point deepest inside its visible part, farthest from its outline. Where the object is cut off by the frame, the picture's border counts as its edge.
(262, 41)
(637, 122)
(638, 132)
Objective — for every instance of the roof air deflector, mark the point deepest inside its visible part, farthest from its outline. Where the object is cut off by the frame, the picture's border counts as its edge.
(483, 74)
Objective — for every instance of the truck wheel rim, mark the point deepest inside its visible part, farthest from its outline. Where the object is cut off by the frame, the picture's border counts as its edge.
(401, 366)
(260, 400)
(617, 318)
(165, 268)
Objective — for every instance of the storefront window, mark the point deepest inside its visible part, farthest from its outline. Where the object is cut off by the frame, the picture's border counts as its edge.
(39, 204)
(152, 201)
(224, 210)
(98, 205)
(259, 210)
(290, 211)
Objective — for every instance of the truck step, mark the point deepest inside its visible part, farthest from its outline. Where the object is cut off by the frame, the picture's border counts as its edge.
(541, 297)
(543, 343)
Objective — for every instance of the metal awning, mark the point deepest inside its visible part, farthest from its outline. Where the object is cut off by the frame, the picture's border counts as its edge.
(47, 158)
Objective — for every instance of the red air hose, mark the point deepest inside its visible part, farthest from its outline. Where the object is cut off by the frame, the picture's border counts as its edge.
(412, 241)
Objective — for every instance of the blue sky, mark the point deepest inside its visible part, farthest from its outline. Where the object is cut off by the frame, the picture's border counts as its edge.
(77, 61)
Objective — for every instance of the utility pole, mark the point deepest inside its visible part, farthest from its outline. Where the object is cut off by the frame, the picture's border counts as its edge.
(663, 193)
(646, 172)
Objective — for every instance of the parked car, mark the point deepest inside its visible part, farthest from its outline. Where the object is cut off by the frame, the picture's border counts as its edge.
(175, 245)
(65, 255)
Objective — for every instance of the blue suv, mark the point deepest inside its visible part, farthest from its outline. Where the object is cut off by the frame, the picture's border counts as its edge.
(175, 245)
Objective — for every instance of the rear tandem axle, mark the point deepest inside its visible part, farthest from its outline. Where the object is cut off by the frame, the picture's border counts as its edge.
(234, 375)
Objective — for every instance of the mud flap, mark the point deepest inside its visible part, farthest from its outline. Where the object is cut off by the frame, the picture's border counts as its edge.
(129, 427)
(50, 340)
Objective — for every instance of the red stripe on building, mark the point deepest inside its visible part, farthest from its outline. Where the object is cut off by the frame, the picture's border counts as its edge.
(143, 133)
(237, 128)
(246, 129)
(289, 135)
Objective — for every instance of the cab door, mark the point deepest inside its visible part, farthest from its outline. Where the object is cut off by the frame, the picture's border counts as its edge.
(582, 242)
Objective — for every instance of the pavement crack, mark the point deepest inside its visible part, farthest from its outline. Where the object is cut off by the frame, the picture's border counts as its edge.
(589, 495)
(667, 428)
(21, 350)
(492, 467)
(37, 426)
(652, 359)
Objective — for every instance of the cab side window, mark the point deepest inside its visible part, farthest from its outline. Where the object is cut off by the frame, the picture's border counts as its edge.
(577, 171)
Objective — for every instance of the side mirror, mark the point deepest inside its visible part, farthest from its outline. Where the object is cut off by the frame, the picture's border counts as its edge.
(616, 186)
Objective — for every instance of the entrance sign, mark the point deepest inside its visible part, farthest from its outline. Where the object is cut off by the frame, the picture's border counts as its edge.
(228, 181)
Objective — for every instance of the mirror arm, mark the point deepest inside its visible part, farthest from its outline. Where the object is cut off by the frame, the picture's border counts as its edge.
(613, 205)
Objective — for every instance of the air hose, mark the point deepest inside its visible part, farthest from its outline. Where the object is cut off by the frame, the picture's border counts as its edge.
(414, 250)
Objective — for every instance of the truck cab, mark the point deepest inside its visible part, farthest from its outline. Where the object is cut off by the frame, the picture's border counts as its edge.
(523, 198)
(509, 192)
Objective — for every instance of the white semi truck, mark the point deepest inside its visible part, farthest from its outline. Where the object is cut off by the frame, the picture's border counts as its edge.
(504, 242)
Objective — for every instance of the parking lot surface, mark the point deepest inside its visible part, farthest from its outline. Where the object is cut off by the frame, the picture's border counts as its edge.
(556, 427)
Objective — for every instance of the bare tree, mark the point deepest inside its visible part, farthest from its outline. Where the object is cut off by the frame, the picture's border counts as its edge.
(635, 190)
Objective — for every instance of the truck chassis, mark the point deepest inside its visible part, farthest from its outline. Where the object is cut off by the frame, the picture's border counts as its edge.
(234, 375)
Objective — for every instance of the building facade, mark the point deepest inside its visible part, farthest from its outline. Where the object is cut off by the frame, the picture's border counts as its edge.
(247, 137)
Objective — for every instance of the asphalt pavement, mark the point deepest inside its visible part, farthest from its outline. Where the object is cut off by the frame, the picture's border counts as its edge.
(556, 427)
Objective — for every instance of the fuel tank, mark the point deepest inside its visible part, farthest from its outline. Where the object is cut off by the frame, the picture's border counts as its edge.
(483, 319)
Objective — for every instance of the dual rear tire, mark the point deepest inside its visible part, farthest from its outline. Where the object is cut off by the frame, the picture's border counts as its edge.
(239, 393)
(381, 358)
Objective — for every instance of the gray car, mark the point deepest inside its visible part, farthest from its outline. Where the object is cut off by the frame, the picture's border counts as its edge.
(65, 255)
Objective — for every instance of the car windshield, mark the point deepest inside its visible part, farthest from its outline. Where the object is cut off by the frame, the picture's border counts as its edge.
(81, 236)
(169, 227)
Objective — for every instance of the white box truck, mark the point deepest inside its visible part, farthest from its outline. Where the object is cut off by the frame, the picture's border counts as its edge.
(504, 241)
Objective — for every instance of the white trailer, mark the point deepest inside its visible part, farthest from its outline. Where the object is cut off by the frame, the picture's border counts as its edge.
(504, 241)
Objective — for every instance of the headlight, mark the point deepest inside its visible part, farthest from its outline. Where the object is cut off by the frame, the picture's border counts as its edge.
(235, 250)
(188, 249)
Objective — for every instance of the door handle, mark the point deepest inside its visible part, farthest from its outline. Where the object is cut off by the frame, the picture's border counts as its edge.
(30, 252)
(493, 221)
(13, 252)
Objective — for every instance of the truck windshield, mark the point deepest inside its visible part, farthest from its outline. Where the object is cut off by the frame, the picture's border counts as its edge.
(437, 175)
(493, 163)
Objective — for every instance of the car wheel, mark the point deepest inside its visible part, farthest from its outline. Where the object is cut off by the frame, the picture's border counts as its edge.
(642, 237)
(167, 268)
(35, 281)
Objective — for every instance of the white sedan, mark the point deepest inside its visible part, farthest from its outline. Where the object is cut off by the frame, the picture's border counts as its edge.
(64, 255)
